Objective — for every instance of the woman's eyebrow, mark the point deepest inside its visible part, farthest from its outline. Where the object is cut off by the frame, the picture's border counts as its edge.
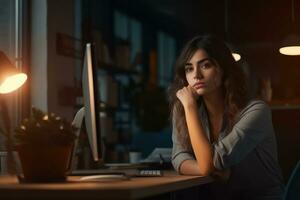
(198, 62)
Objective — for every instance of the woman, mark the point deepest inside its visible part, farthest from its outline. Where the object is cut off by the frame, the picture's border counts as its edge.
(216, 129)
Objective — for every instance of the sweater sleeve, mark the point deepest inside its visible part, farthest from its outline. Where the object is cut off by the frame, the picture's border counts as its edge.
(179, 154)
(252, 128)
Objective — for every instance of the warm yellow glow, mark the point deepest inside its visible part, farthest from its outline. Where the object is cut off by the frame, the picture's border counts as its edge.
(12, 83)
(236, 56)
(290, 50)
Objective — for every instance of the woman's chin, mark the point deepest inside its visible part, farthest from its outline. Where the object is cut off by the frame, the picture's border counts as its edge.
(200, 92)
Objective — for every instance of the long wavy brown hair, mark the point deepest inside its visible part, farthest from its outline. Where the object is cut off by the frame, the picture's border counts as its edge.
(233, 84)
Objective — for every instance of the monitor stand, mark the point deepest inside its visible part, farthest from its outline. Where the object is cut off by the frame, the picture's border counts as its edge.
(77, 123)
(90, 175)
(105, 177)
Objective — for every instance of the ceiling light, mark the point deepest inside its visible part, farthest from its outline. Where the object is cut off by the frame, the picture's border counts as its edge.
(291, 44)
(236, 56)
(233, 50)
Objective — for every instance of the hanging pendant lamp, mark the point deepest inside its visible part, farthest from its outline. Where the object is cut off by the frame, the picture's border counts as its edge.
(233, 50)
(236, 56)
(291, 44)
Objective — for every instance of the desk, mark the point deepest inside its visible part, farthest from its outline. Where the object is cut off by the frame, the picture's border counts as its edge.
(135, 188)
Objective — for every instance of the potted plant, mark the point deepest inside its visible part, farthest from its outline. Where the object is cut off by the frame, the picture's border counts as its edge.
(44, 143)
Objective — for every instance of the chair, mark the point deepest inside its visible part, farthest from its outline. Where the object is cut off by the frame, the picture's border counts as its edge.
(292, 191)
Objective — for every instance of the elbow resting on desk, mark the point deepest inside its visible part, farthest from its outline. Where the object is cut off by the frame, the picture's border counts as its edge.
(191, 167)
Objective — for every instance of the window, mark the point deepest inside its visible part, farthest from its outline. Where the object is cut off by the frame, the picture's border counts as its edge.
(128, 29)
(166, 58)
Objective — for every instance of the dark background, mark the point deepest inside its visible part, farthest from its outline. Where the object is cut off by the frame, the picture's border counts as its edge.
(256, 28)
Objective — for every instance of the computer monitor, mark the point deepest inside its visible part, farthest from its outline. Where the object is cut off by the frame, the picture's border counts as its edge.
(91, 114)
(91, 101)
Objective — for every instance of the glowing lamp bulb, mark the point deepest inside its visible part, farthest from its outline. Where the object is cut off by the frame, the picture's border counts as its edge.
(236, 56)
(12, 83)
(290, 50)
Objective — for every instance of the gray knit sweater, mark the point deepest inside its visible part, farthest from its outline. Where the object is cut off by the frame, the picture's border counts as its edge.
(249, 151)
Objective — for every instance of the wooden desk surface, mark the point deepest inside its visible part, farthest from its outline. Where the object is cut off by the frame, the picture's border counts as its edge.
(134, 188)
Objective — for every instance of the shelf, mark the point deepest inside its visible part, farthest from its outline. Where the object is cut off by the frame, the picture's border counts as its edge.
(112, 69)
(285, 104)
(114, 109)
(103, 107)
(285, 107)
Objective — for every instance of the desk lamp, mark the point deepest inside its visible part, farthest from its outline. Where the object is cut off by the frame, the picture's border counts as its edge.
(10, 80)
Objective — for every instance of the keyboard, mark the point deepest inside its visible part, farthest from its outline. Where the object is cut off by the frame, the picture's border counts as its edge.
(149, 173)
(144, 172)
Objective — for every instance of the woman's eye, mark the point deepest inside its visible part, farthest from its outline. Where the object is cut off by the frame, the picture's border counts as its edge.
(188, 69)
(206, 65)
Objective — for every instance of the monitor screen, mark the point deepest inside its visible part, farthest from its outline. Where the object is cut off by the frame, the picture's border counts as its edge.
(91, 101)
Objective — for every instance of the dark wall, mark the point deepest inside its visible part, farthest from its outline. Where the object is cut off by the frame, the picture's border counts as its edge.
(286, 125)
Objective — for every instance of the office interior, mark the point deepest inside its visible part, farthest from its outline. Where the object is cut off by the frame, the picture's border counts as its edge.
(137, 43)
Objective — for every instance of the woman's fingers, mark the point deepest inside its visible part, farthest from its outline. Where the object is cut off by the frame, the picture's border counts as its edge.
(186, 91)
(193, 91)
(187, 95)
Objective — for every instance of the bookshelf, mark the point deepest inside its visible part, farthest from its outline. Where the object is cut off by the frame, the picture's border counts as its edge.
(127, 37)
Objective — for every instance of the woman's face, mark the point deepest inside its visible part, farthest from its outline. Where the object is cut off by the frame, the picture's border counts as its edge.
(204, 75)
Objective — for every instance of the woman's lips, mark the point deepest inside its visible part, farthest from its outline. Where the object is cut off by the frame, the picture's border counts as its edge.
(199, 85)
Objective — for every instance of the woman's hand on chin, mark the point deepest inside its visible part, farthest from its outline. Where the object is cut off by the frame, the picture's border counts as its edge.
(187, 96)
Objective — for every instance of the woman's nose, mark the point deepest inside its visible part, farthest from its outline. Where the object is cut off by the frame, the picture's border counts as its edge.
(198, 74)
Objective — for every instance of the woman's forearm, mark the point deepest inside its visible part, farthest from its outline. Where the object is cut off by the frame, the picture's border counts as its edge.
(201, 146)
(189, 167)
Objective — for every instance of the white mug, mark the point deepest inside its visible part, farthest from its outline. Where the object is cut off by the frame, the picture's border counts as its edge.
(135, 156)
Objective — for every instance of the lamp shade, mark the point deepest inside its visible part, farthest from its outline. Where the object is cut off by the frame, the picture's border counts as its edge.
(234, 52)
(291, 45)
(10, 78)
(236, 56)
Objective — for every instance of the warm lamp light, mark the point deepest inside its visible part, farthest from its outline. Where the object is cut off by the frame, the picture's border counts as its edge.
(233, 50)
(291, 44)
(236, 56)
(290, 50)
(12, 83)
(10, 78)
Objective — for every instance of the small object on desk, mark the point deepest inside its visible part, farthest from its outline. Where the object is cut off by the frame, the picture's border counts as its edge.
(159, 155)
(160, 158)
(135, 156)
(149, 173)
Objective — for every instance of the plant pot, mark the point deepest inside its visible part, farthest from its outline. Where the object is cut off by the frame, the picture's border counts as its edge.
(44, 163)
